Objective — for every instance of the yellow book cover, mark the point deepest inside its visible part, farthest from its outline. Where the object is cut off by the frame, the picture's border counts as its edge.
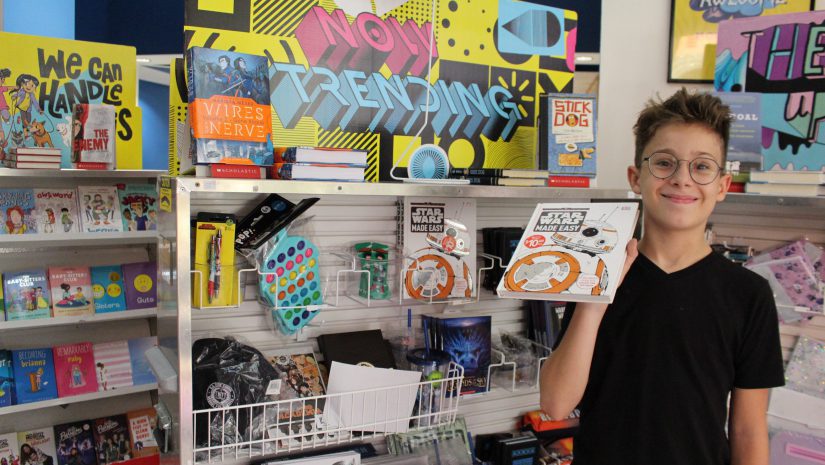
(42, 78)
(215, 283)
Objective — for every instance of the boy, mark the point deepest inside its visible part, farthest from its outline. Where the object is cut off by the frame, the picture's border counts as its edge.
(652, 372)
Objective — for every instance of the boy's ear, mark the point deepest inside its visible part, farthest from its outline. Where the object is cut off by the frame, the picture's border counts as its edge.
(724, 185)
(633, 177)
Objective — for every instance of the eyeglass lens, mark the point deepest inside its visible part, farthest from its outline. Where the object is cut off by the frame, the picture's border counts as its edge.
(702, 170)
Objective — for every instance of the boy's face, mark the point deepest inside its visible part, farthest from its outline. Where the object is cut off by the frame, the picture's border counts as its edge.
(678, 203)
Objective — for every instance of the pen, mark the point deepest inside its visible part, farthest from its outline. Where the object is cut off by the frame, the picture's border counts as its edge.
(217, 259)
(211, 264)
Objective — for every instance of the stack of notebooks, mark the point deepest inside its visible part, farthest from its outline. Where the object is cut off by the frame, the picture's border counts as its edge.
(33, 158)
(792, 183)
(501, 177)
(319, 164)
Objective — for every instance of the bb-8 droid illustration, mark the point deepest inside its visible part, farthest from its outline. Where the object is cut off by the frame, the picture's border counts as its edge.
(570, 263)
(432, 275)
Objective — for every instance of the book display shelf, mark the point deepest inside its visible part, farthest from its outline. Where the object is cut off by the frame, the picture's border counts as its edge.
(83, 249)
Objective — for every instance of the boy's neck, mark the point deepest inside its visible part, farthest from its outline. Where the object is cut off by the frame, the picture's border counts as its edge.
(673, 251)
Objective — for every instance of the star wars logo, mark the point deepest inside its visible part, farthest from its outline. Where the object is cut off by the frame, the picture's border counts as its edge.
(560, 221)
(427, 218)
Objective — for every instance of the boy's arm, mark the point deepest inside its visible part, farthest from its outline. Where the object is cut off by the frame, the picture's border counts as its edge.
(564, 375)
(748, 428)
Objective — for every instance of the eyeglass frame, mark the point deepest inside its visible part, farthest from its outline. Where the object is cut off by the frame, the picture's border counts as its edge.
(719, 173)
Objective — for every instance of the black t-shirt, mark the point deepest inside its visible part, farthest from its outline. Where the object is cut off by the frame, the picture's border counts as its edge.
(669, 350)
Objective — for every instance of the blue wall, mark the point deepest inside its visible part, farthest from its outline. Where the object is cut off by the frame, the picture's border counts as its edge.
(153, 99)
(50, 18)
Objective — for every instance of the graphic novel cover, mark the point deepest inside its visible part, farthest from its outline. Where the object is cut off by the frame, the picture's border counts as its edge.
(139, 281)
(71, 289)
(74, 369)
(138, 205)
(108, 289)
(112, 440)
(75, 443)
(231, 120)
(17, 211)
(113, 366)
(37, 446)
(34, 378)
(56, 211)
(26, 295)
(141, 372)
(99, 208)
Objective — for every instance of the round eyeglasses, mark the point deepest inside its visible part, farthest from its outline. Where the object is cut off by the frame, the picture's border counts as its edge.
(703, 170)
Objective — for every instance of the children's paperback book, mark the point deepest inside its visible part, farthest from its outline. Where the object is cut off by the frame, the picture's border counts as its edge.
(439, 248)
(17, 211)
(37, 447)
(6, 380)
(112, 440)
(568, 137)
(113, 365)
(139, 280)
(93, 143)
(74, 368)
(320, 155)
(108, 289)
(139, 207)
(9, 450)
(75, 443)
(142, 424)
(229, 109)
(34, 378)
(141, 372)
(26, 295)
(99, 205)
(56, 211)
(71, 289)
(468, 341)
(571, 252)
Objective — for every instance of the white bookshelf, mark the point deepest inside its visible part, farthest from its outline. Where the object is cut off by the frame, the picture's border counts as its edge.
(78, 320)
(76, 399)
(95, 239)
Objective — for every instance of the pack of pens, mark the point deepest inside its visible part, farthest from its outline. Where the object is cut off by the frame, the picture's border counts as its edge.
(215, 281)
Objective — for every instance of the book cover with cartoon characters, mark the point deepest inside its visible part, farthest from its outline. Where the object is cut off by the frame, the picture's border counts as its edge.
(74, 369)
(99, 210)
(37, 447)
(113, 366)
(75, 443)
(56, 211)
(42, 79)
(26, 295)
(231, 120)
(571, 252)
(568, 136)
(17, 211)
(108, 289)
(34, 378)
(139, 207)
(71, 289)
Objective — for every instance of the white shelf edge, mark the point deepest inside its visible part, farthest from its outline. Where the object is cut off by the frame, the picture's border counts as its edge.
(128, 237)
(71, 173)
(78, 320)
(76, 399)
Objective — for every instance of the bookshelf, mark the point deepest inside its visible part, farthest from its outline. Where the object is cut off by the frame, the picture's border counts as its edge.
(95, 396)
(49, 323)
(80, 239)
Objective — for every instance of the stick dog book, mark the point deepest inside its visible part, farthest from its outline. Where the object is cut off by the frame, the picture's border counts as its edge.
(571, 252)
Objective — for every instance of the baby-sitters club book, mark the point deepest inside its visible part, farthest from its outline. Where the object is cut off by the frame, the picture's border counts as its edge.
(571, 252)
(26, 295)
(56, 211)
(139, 207)
(75, 443)
(108, 289)
(74, 367)
(71, 290)
(34, 378)
(99, 210)
(17, 211)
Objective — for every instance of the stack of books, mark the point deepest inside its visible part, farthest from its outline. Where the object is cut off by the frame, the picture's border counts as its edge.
(319, 164)
(33, 158)
(502, 177)
(792, 183)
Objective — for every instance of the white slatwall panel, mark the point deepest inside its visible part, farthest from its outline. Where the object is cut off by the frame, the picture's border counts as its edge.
(764, 227)
(338, 223)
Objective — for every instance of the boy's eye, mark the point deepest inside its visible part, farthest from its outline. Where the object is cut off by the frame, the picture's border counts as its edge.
(664, 163)
(702, 166)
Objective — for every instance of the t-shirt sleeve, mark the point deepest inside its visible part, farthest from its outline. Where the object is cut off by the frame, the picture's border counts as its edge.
(759, 356)
(569, 309)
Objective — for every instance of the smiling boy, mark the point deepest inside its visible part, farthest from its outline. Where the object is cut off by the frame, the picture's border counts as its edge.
(652, 372)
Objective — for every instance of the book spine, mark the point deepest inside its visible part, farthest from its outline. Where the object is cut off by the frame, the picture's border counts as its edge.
(281, 171)
(482, 180)
(568, 181)
(474, 172)
(91, 165)
(235, 171)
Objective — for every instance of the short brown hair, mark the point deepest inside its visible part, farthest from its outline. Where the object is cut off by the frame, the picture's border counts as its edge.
(683, 107)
